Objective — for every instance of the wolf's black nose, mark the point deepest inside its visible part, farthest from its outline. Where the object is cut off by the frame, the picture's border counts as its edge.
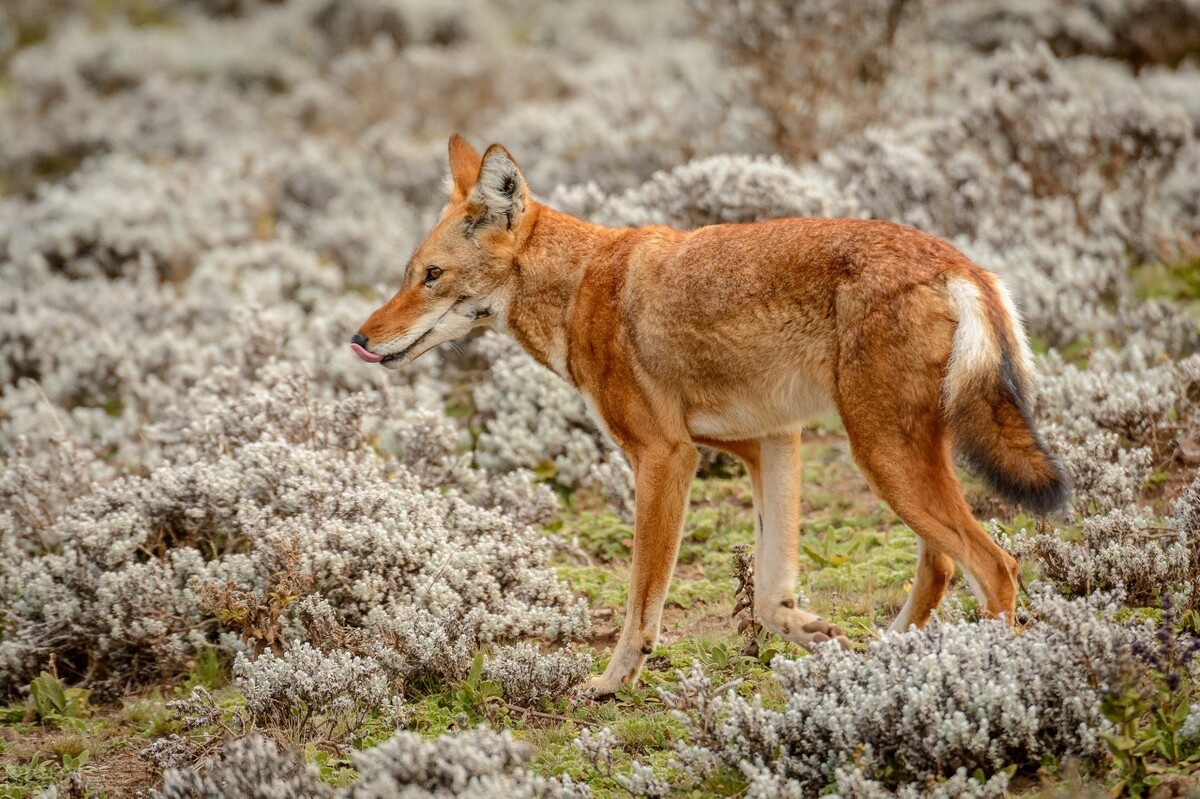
(359, 339)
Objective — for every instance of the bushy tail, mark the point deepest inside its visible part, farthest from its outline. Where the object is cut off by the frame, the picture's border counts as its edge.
(987, 395)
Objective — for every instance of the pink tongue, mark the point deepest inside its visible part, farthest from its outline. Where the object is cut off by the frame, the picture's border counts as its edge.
(369, 357)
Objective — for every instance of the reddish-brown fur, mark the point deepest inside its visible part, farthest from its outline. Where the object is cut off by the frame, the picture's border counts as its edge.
(730, 336)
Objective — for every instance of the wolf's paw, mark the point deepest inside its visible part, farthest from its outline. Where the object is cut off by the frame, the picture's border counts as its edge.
(820, 631)
(599, 688)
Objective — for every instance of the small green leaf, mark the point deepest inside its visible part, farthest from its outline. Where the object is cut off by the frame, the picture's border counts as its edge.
(1145, 746)
(476, 670)
(48, 695)
(817, 557)
(77, 762)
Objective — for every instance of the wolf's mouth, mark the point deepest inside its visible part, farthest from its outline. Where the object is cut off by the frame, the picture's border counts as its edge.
(384, 360)
(396, 356)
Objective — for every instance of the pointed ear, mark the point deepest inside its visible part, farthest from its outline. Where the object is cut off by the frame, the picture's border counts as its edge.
(500, 195)
(465, 163)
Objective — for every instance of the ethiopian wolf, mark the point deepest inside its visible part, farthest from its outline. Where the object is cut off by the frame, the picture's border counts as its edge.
(732, 336)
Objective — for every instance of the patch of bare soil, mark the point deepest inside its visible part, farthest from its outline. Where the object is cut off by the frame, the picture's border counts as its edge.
(114, 769)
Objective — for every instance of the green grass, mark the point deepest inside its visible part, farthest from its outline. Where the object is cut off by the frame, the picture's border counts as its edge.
(27, 779)
(1178, 281)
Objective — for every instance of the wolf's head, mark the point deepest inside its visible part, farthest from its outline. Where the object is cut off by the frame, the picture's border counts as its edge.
(461, 275)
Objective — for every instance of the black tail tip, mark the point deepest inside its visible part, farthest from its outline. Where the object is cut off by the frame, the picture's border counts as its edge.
(1041, 497)
(1044, 488)
(1045, 499)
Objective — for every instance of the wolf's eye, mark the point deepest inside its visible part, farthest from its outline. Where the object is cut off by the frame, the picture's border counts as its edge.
(432, 274)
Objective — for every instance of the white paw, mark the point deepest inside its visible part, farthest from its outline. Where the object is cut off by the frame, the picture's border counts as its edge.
(598, 688)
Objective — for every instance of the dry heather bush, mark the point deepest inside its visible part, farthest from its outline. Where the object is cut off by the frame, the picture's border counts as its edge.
(815, 67)
(258, 473)
(108, 220)
(921, 708)
(651, 112)
(529, 675)
(312, 696)
(477, 763)
(1129, 414)
(1121, 552)
(1140, 32)
(251, 767)
(207, 443)
(200, 712)
(705, 191)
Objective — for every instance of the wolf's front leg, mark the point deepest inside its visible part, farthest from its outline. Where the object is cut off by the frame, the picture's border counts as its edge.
(664, 472)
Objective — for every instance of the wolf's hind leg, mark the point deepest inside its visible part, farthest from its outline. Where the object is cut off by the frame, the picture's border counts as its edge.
(890, 389)
(913, 472)
(934, 571)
